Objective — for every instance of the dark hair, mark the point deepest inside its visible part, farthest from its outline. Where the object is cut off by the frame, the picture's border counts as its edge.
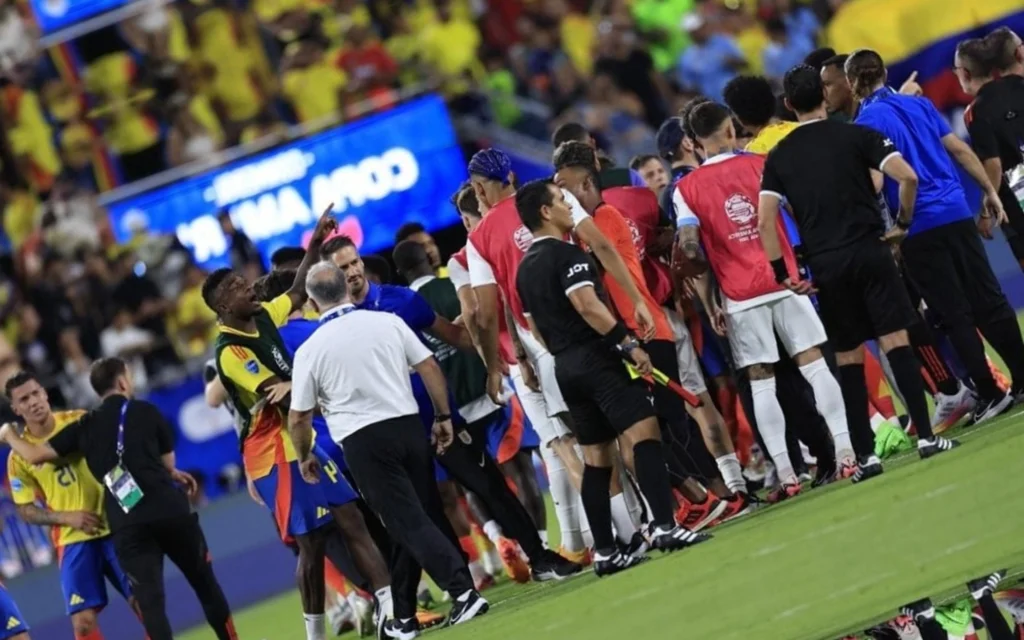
(274, 284)
(378, 266)
(104, 374)
(569, 132)
(409, 256)
(838, 60)
(212, 283)
(751, 98)
(684, 114)
(819, 57)
(530, 198)
(641, 160)
(864, 69)
(803, 88)
(575, 154)
(707, 118)
(284, 255)
(334, 245)
(15, 381)
(465, 201)
(1002, 47)
(408, 229)
(976, 56)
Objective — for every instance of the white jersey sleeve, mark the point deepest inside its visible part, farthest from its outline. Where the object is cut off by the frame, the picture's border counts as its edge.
(458, 274)
(480, 272)
(578, 213)
(684, 214)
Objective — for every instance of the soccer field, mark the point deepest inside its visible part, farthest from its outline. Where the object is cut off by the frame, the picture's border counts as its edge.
(830, 562)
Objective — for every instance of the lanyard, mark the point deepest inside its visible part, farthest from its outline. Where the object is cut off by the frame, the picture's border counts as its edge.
(334, 315)
(120, 432)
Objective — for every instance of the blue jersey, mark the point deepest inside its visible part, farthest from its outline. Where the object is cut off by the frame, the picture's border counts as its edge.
(294, 333)
(401, 301)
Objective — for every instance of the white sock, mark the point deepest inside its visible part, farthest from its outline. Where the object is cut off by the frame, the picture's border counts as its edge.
(632, 496)
(772, 424)
(877, 420)
(543, 534)
(829, 399)
(493, 531)
(316, 627)
(491, 560)
(566, 500)
(622, 520)
(477, 572)
(387, 608)
(732, 473)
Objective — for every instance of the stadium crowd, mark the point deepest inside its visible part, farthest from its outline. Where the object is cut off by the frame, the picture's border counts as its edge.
(178, 81)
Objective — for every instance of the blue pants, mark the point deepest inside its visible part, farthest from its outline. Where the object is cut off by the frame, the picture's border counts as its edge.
(83, 568)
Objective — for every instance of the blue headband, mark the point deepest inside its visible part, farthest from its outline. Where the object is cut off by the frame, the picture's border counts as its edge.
(491, 163)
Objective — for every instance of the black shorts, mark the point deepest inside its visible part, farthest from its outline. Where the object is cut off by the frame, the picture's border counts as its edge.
(602, 399)
(861, 295)
(668, 405)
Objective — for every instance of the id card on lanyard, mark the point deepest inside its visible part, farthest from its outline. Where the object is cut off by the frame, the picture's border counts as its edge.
(119, 480)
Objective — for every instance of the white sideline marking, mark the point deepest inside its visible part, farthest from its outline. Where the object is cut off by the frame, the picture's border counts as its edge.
(767, 551)
(795, 610)
(839, 526)
(957, 548)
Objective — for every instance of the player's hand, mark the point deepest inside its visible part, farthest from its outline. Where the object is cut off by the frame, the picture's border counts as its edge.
(641, 361)
(310, 469)
(644, 321)
(187, 481)
(325, 226)
(529, 375)
(911, 87)
(717, 317)
(83, 521)
(442, 435)
(994, 207)
(799, 287)
(278, 391)
(986, 224)
(496, 387)
(895, 235)
(253, 493)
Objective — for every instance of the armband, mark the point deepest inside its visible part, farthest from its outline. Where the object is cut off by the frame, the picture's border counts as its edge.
(780, 269)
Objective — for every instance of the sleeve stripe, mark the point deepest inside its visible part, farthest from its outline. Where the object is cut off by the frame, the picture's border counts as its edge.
(578, 285)
(881, 165)
(775, 194)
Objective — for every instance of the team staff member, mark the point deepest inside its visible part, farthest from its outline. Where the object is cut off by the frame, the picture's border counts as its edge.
(73, 507)
(943, 253)
(129, 444)
(356, 369)
(823, 171)
(561, 293)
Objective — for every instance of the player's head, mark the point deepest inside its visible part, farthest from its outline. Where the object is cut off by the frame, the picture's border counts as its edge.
(572, 132)
(673, 145)
(418, 233)
(542, 207)
(468, 205)
(1007, 50)
(576, 169)
(752, 100)
(652, 170)
(712, 124)
(274, 284)
(684, 116)
(376, 269)
(804, 92)
(287, 258)
(973, 64)
(818, 57)
(28, 398)
(411, 260)
(326, 286)
(342, 252)
(838, 94)
(110, 376)
(490, 173)
(229, 295)
(866, 72)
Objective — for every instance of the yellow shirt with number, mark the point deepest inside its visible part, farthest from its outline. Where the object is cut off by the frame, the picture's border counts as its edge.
(63, 485)
(770, 136)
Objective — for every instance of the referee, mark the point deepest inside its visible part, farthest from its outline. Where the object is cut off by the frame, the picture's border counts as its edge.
(561, 293)
(128, 446)
(823, 170)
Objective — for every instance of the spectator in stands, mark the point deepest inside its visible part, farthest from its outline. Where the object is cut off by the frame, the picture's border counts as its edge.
(149, 308)
(29, 136)
(314, 87)
(710, 61)
(188, 140)
(618, 115)
(245, 257)
(785, 50)
(403, 45)
(371, 70)
(549, 74)
(749, 34)
(658, 23)
(122, 339)
(632, 69)
(265, 125)
(193, 323)
(449, 47)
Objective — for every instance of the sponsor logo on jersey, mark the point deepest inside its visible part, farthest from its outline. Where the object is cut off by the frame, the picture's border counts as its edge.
(523, 238)
(13, 623)
(577, 268)
(76, 599)
(740, 209)
(16, 484)
(252, 366)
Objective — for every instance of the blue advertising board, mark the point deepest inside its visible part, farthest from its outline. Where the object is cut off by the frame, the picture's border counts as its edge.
(52, 15)
(380, 172)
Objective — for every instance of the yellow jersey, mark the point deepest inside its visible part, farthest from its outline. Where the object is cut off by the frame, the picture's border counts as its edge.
(771, 136)
(63, 485)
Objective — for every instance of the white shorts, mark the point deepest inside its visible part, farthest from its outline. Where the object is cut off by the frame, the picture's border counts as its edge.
(752, 331)
(544, 366)
(690, 374)
(548, 429)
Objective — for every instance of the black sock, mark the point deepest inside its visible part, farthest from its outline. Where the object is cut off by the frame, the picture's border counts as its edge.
(930, 629)
(652, 476)
(923, 342)
(1004, 336)
(998, 628)
(595, 491)
(907, 372)
(971, 349)
(855, 396)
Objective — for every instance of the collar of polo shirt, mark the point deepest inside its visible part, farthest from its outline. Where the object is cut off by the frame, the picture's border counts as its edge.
(334, 312)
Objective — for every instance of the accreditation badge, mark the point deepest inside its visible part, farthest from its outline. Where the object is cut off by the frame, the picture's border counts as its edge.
(123, 487)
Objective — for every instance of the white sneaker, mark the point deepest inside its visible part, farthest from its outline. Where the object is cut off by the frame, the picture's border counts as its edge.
(341, 617)
(949, 410)
(362, 611)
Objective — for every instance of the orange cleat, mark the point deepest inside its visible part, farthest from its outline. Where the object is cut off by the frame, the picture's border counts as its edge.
(485, 582)
(428, 619)
(786, 491)
(583, 557)
(694, 516)
(515, 566)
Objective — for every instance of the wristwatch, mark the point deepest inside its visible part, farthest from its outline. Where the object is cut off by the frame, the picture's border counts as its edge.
(627, 346)
(442, 417)
(902, 224)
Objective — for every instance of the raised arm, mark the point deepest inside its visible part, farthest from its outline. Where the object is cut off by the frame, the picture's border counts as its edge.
(324, 227)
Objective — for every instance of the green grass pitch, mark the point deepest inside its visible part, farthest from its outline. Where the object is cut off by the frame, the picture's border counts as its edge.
(832, 561)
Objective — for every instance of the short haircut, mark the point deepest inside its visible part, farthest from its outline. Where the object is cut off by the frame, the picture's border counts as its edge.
(377, 266)
(684, 113)
(751, 98)
(575, 154)
(326, 284)
(1002, 46)
(976, 56)
(838, 60)
(530, 198)
(865, 68)
(274, 284)
(410, 256)
(465, 201)
(285, 255)
(15, 381)
(803, 88)
(569, 132)
(818, 57)
(707, 118)
(104, 374)
(212, 283)
(408, 230)
(334, 245)
(641, 160)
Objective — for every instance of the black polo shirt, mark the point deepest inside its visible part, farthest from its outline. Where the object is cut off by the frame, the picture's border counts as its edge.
(995, 122)
(822, 171)
(548, 273)
(147, 437)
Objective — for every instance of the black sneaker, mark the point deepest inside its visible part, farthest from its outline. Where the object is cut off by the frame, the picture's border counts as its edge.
(825, 474)
(934, 446)
(466, 607)
(638, 545)
(987, 585)
(988, 409)
(401, 629)
(920, 609)
(552, 566)
(605, 564)
(676, 538)
(869, 468)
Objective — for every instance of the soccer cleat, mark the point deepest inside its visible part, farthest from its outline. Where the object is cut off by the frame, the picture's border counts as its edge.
(583, 557)
(921, 608)
(949, 410)
(424, 598)
(935, 446)
(515, 566)
(614, 562)
(428, 619)
(676, 538)
(467, 606)
(825, 474)
(368, 620)
(552, 566)
(870, 468)
(787, 490)
(637, 546)
(695, 516)
(847, 468)
(739, 505)
(402, 629)
(341, 617)
(981, 587)
(486, 581)
(987, 410)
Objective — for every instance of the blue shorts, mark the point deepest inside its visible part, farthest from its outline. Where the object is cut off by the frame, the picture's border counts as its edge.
(510, 432)
(426, 407)
(330, 450)
(83, 568)
(299, 507)
(11, 621)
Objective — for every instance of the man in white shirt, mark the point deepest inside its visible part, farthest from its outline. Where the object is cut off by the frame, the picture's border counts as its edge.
(356, 368)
